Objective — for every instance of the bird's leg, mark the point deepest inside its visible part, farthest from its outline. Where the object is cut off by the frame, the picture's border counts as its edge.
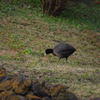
(66, 59)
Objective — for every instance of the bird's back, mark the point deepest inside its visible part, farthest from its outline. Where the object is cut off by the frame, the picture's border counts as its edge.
(63, 50)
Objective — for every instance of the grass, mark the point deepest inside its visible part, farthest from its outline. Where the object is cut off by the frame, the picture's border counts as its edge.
(25, 33)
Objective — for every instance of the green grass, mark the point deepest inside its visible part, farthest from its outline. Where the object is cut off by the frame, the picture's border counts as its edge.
(25, 33)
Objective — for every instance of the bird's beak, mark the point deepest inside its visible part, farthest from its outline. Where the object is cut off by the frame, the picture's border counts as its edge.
(44, 54)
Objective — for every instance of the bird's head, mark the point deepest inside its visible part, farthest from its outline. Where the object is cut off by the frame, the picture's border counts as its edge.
(47, 51)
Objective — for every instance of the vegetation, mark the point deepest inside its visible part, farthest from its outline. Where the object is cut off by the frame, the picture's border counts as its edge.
(25, 33)
(53, 7)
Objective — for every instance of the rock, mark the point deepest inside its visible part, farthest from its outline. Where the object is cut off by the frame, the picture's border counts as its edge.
(9, 95)
(32, 97)
(94, 98)
(6, 85)
(56, 89)
(46, 98)
(20, 88)
(39, 89)
(21, 85)
(59, 92)
(2, 73)
(66, 96)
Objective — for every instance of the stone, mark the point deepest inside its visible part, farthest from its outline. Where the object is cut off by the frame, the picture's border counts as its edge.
(32, 97)
(6, 85)
(56, 89)
(66, 96)
(94, 98)
(21, 85)
(21, 88)
(46, 98)
(2, 73)
(9, 95)
(59, 92)
(39, 89)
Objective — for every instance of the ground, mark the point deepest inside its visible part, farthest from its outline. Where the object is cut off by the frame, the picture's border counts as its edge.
(24, 37)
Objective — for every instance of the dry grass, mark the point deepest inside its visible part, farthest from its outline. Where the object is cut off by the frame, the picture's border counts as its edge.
(24, 38)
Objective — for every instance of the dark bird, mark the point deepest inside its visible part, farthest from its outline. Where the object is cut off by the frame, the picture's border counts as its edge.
(61, 50)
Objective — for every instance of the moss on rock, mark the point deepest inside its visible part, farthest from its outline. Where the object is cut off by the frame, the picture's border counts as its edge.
(20, 88)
